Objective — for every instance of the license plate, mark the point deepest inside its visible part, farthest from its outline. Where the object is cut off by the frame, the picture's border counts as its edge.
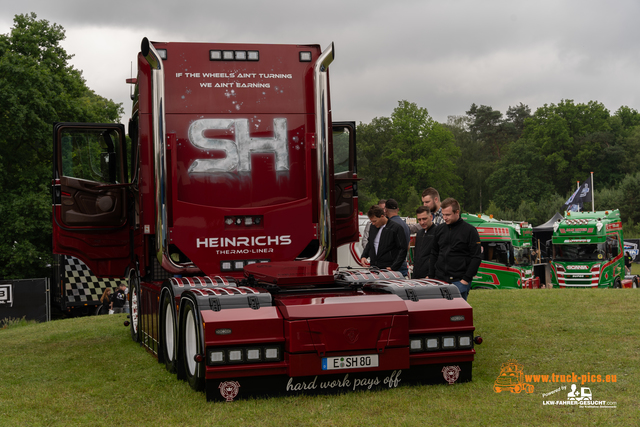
(350, 362)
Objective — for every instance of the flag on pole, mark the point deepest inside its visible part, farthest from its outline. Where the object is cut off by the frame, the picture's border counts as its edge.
(579, 197)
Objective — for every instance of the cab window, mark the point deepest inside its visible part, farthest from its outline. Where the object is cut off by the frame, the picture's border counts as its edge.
(91, 155)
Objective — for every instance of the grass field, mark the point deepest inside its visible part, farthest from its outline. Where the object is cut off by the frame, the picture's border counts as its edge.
(87, 371)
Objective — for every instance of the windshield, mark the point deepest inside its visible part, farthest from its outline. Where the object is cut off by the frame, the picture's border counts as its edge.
(499, 252)
(522, 256)
(587, 252)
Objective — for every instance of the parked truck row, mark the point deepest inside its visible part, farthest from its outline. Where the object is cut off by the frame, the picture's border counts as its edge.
(586, 250)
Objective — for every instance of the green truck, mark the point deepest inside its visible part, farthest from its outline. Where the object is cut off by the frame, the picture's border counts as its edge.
(588, 251)
(506, 254)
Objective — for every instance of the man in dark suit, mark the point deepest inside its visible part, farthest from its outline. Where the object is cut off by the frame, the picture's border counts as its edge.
(424, 242)
(387, 246)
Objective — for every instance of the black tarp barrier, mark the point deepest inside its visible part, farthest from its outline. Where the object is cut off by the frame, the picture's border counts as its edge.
(28, 298)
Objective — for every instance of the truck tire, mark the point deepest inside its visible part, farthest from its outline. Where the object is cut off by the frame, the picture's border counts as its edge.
(134, 299)
(192, 345)
(617, 283)
(168, 332)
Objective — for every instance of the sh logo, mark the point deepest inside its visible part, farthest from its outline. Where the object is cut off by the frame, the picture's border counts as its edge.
(239, 151)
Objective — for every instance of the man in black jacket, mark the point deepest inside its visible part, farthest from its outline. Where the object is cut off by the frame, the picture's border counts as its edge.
(456, 253)
(387, 246)
(424, 243)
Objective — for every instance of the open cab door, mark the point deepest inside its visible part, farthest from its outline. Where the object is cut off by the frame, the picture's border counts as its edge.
(346, 182)
(89, 190)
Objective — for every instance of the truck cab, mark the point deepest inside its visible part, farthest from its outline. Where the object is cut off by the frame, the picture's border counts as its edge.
(506, 254)
(588, 250)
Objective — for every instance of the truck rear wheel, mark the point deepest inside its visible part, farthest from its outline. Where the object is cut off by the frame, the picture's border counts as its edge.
(192, 346)
(168, 332)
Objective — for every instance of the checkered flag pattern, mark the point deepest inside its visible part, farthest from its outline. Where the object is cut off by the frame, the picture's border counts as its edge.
(81, 286)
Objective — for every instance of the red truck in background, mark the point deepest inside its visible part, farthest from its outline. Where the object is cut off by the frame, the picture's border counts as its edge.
(224, 215)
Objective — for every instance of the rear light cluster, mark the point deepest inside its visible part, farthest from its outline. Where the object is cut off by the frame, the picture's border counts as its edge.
(419, 344)
(246, 354)
(238, 264)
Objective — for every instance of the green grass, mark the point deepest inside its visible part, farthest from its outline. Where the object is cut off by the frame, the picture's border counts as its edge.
(87, 371)
(14, 322)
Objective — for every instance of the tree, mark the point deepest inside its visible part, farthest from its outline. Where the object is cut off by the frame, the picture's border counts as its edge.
(484, 135)
(517, 177)
(403, 154)
(473, 165)
(37, 88)
(568, 136)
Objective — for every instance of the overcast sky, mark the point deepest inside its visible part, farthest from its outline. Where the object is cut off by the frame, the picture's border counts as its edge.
(441, 55)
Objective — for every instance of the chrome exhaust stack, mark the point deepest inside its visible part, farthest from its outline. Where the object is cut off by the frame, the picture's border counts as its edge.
(323, 129)
(160, 163)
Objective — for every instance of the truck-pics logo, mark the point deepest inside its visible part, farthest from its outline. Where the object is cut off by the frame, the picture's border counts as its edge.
(511, 378)
(233, 242)
(238, 152)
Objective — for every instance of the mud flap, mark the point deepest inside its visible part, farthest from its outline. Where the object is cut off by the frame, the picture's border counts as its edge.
(230, 389)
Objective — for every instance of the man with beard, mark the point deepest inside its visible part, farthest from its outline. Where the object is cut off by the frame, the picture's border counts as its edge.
(431, 199)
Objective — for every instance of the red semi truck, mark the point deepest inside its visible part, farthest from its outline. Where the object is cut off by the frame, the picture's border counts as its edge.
(224, 215)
